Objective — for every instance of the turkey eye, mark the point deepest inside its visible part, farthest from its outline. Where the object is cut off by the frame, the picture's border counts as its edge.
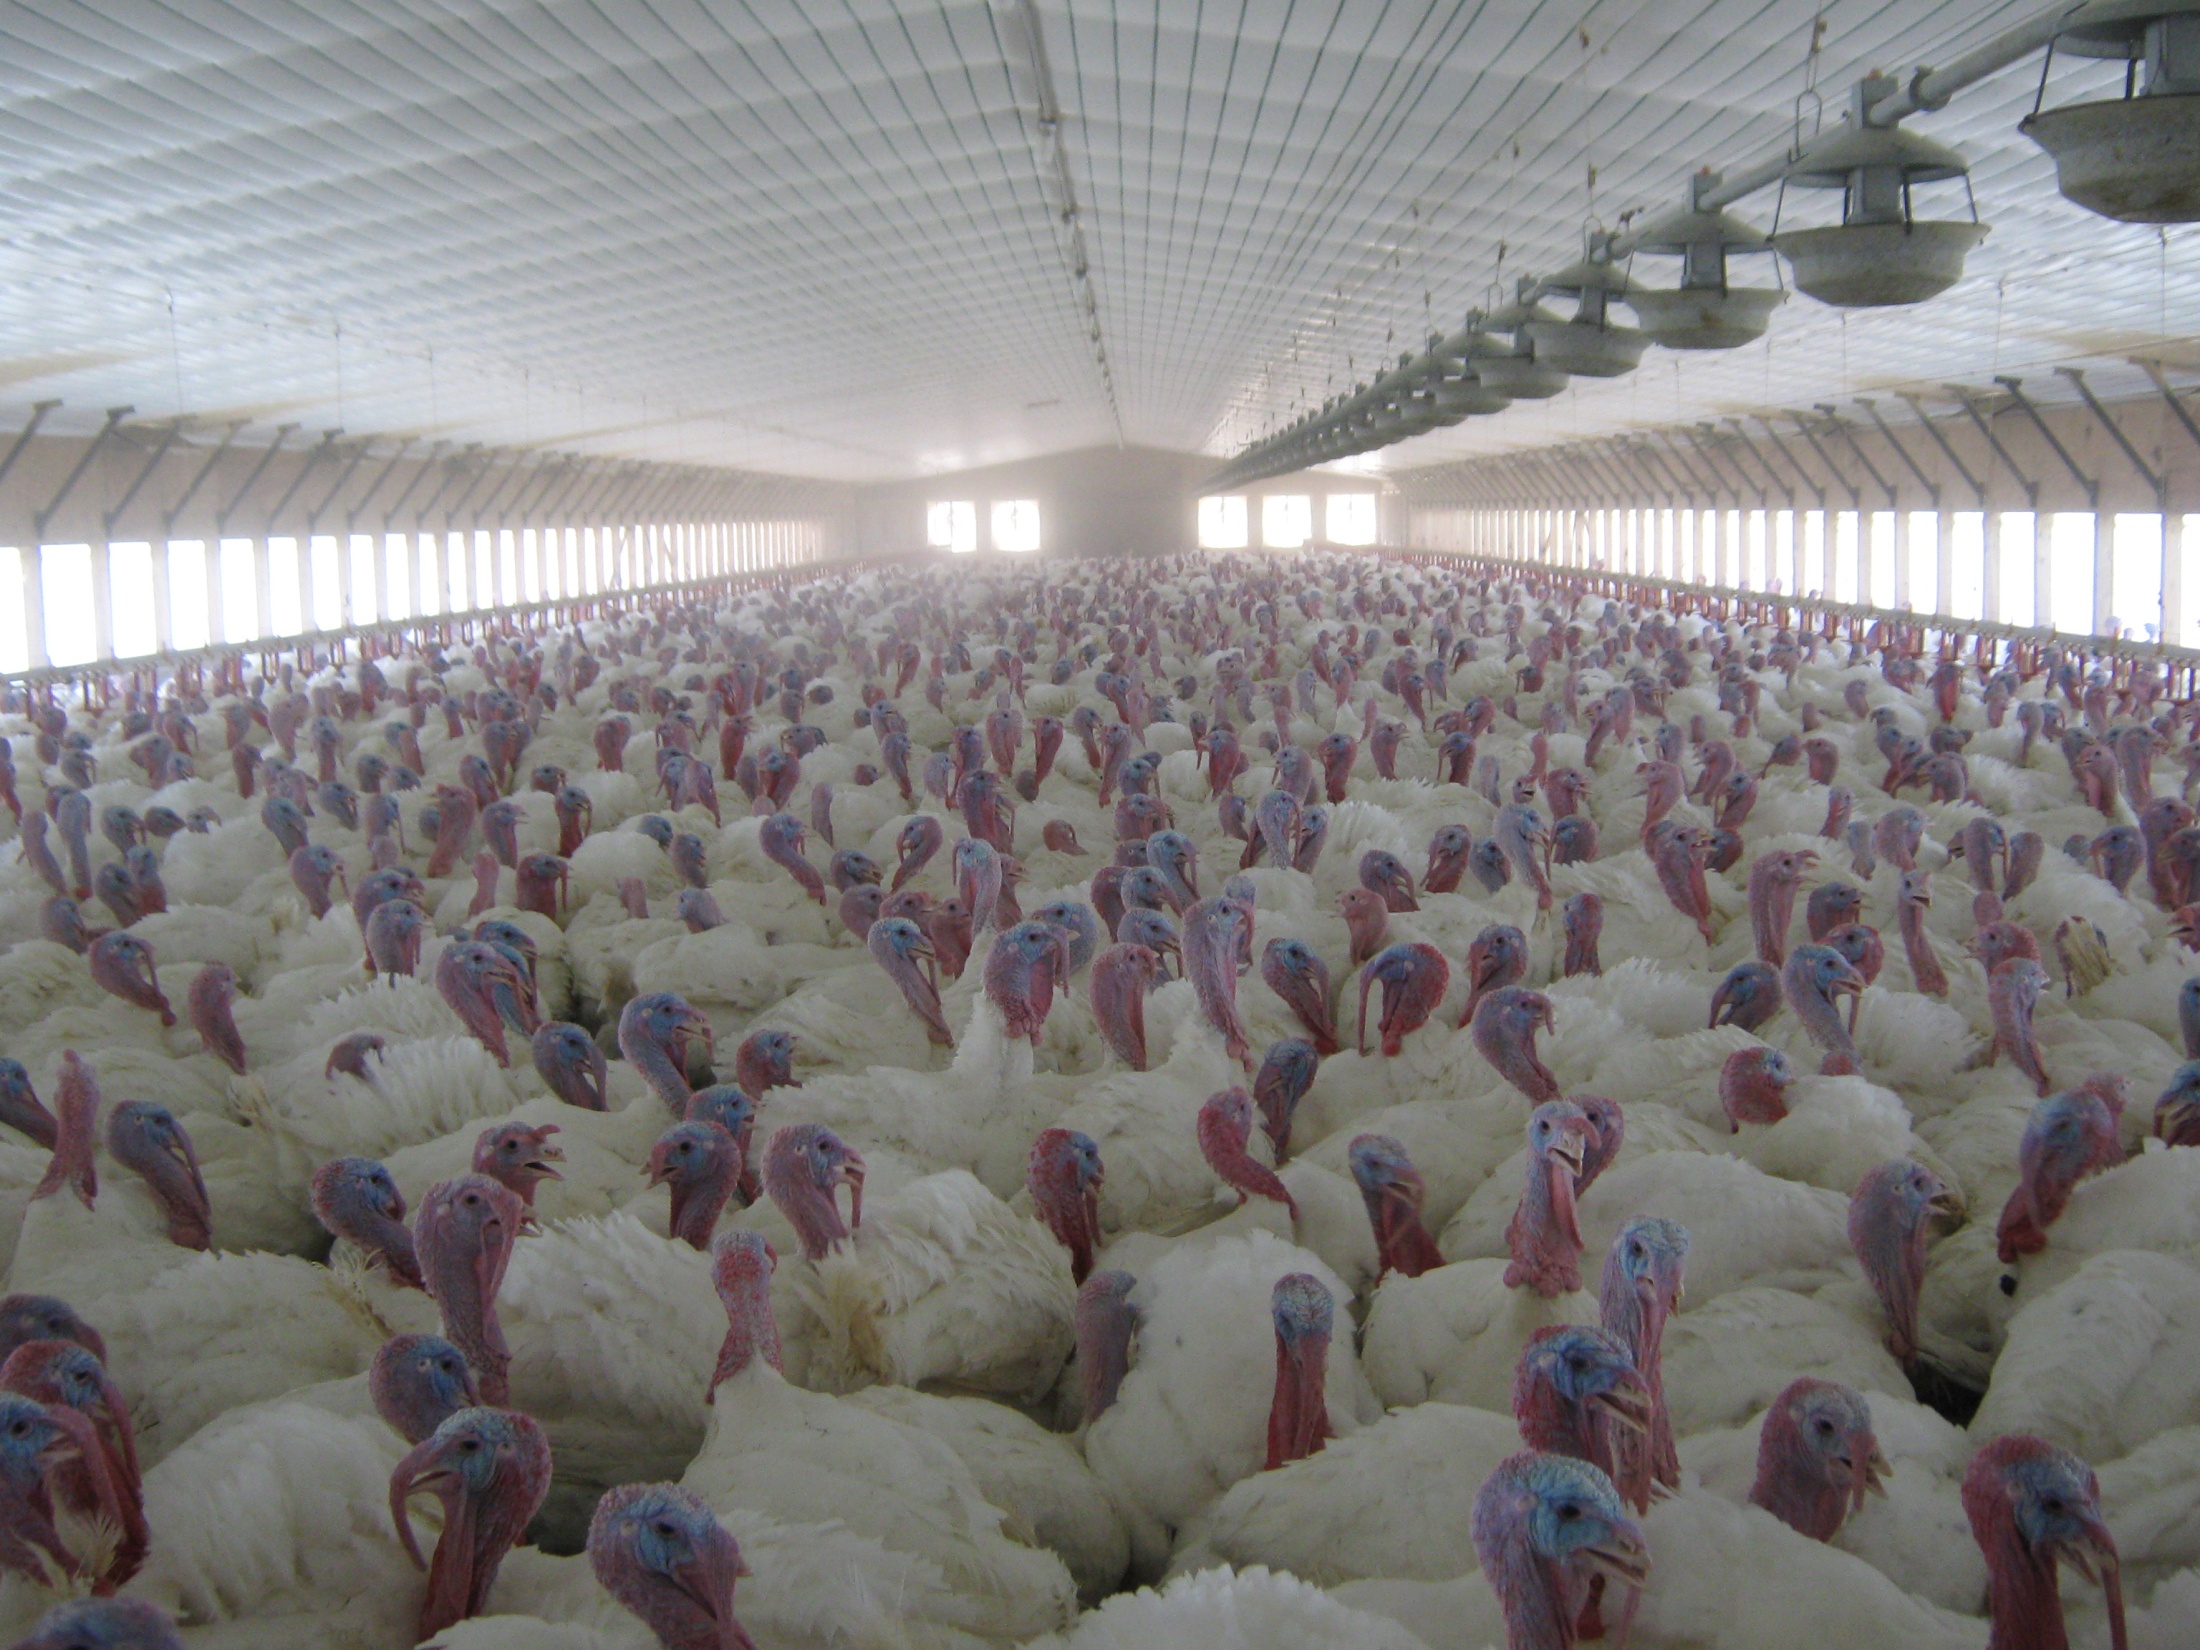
(1568, 1511)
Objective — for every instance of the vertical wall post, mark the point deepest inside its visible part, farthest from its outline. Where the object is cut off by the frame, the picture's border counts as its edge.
(1990, 574)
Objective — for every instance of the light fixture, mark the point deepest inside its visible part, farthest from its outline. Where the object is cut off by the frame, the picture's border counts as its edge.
(2136, 157)
(1880, 252)
(1704, 312)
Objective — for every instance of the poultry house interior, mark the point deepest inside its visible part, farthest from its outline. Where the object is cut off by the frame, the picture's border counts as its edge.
(820, 828)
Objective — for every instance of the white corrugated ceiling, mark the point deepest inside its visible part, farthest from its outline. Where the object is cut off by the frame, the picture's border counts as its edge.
(825, 238)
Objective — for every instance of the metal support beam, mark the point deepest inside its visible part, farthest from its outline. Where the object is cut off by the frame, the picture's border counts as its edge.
(389, 468)
(39, 410)
(1947, 450)
(313, 516)
(115, 415)
(2091, 486)
(313, 460)
(2158, 484)
(2152, 369)
(221, 516)
(1901, 451)
(168, 521)
(130, 493)
(426, 467)
(1986, 428)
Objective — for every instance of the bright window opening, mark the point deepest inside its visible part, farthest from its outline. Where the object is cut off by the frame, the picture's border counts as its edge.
(1967, 538)
(366, 606)
(1925, 594)
(951, 525)
(428, 591)
(2135, 576)
(66, 578)
(1350, 518)
(1878, 528)
(130, 588)
(1222, 523)
(286, 613)
(1016, 525)
(240, 591)
(1286, 520)
(328, 584)
(190, 620)
(2069, 593)
(397, 574)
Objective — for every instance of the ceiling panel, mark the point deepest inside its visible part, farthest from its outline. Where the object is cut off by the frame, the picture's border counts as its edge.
(823, 238)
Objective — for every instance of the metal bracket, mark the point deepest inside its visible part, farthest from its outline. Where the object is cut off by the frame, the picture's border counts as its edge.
(1947, 450)
(107, 522)
(328, 442)
(38, 417)
(2153, 369)
(1993, 441)
(1932, 490)
(221, 517)
(1856, 493)
(389, 468)
(2160, 483)
(168, 520)
(1811, 485)
(115, 415)
(1848, 435)
(2015, 386)
(426, 468)
(358, 455)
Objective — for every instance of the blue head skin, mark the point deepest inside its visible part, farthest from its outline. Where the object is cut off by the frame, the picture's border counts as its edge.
(418, 1382)
(1078, 924)
(104, 1624)
(1642, 1281)
(851, 866)
(660, 1551)
(1155, 930)
(2188, 1016)
(1747, 997)
(567, 1059)
(145, 1136)
(20, 1107)
(1172, 855)
(354, 1198)
(2177, 1112)
(2032, 1506)
(1304, 1314)
(26, 1318)
(1544, 1526)
(1572, 1378)
(2067, 1137)
(657, 828)
(725, 1105)
(653, 1033)
(1286, 1073)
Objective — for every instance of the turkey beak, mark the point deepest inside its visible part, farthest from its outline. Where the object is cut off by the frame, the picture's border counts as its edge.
(2093, 1555)
(1627, 1403)
(1625, 1557)
(1947, 1202)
